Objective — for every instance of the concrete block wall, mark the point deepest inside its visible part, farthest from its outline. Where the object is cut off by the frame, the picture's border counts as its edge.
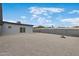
(0, 30)
(68, 32)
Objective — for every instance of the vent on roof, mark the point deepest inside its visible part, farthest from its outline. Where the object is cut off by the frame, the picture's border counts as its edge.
(18, 22)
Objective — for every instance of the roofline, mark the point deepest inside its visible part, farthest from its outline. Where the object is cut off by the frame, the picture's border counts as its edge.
(16, 23)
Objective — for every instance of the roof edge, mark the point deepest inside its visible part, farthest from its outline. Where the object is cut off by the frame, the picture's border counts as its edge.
(17, 23)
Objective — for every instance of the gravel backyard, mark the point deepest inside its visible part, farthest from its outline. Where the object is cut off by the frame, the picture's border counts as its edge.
(38, 44)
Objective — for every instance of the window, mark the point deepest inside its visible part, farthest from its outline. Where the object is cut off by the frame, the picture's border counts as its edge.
(22, 29)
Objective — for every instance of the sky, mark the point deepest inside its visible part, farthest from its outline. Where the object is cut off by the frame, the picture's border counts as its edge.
(46, 14)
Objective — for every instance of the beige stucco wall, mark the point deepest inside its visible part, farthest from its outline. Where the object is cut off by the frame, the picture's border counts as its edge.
(15, 29)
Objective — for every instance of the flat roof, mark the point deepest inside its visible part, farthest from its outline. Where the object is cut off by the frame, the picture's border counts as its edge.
(17, 23)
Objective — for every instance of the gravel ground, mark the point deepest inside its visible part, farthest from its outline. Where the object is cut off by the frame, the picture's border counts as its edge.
(38, 44)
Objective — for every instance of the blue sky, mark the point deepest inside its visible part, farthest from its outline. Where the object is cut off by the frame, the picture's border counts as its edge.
(47, 14)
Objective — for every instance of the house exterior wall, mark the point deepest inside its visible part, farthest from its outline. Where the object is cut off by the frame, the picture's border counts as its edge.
(15, 29)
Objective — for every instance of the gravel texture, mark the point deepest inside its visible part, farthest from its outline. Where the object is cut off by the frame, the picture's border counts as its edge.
(38, 44)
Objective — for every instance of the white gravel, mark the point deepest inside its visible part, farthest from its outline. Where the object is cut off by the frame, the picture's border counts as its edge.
(38, 44)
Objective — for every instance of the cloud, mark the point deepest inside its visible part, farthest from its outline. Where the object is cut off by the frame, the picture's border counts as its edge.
(16, 20)
(43, 15)
(9, 20)
(73, 21)
(46, 12)
(35, 16)
(41, 10)
(45, 22)
(42, 20)
(23, 17)
(74, 11)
